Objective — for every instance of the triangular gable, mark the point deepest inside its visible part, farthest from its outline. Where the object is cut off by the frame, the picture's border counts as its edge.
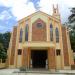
(40, 12)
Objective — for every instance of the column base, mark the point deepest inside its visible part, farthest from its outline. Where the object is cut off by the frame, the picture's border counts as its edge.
(67, 67)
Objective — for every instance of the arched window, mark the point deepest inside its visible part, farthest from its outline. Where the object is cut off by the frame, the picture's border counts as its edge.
(57, 35)
(26, 32)
(51, 32)
(21, 34)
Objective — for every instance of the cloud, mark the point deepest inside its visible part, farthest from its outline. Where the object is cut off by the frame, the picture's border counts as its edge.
(19, 8)
(7, 19)
(5, 15)
(35, 3)
(22, 10)
(13, 10)
(69, 3)
(64, 5)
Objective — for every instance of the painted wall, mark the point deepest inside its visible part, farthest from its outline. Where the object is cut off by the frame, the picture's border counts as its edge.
(30, 20)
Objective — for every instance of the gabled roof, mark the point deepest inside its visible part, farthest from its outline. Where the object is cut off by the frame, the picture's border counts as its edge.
(52, 17)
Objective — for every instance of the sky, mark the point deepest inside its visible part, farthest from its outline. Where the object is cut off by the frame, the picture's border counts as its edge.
(12, 11)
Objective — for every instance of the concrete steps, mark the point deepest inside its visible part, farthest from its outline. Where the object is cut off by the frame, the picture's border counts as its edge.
(36, 72)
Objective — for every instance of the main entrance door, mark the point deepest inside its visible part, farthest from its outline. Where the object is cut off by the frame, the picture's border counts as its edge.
(39, 58)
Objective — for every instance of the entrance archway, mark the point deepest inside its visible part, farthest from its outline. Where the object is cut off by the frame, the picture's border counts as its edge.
(39, 58)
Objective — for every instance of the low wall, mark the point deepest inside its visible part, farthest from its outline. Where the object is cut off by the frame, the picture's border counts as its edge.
(2, 65)
(73, 67)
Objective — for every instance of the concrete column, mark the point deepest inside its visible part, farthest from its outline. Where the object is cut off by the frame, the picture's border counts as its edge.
(51, 58)
(29, 54)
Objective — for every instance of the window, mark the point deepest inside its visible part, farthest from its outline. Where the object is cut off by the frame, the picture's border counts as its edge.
(26, 32)
(58, 52)
(55, 11)
(57, 35)
(21, 34)
(51, 32)
(19, 51)
(39, 25)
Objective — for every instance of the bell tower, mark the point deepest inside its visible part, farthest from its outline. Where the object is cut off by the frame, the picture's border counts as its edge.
(56, 12)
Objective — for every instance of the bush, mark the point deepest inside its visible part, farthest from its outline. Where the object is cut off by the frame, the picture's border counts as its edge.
(22, 69)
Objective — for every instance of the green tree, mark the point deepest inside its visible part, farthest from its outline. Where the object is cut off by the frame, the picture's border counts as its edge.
(6, 39)
(4, 43)
(3, 54)
(72, 28)
(72, 38)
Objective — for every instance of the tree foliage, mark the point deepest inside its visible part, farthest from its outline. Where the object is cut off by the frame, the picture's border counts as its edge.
(72, 27)
(72, 38)
(4, 43)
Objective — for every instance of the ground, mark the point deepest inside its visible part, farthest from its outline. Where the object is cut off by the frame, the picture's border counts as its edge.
(16, 72)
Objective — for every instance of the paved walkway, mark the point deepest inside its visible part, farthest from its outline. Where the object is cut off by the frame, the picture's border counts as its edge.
(17, 72)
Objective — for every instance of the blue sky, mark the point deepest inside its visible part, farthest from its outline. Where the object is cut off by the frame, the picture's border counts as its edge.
(13, 10)
(7, 19)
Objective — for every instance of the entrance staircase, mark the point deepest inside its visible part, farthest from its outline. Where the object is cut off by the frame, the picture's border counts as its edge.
(45, 72)
(35, 72)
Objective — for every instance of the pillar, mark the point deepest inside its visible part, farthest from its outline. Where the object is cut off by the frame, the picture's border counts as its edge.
(29, 56)
(51, 58)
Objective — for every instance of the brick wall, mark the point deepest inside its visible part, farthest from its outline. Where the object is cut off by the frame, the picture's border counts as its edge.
(26, 57)
(51, 57)
(39, 34)
(13, 46)
(65, 47)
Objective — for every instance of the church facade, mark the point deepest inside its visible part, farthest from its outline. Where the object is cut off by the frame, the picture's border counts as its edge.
(40, 41)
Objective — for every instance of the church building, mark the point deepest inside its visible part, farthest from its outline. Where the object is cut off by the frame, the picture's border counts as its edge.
(40, 41)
